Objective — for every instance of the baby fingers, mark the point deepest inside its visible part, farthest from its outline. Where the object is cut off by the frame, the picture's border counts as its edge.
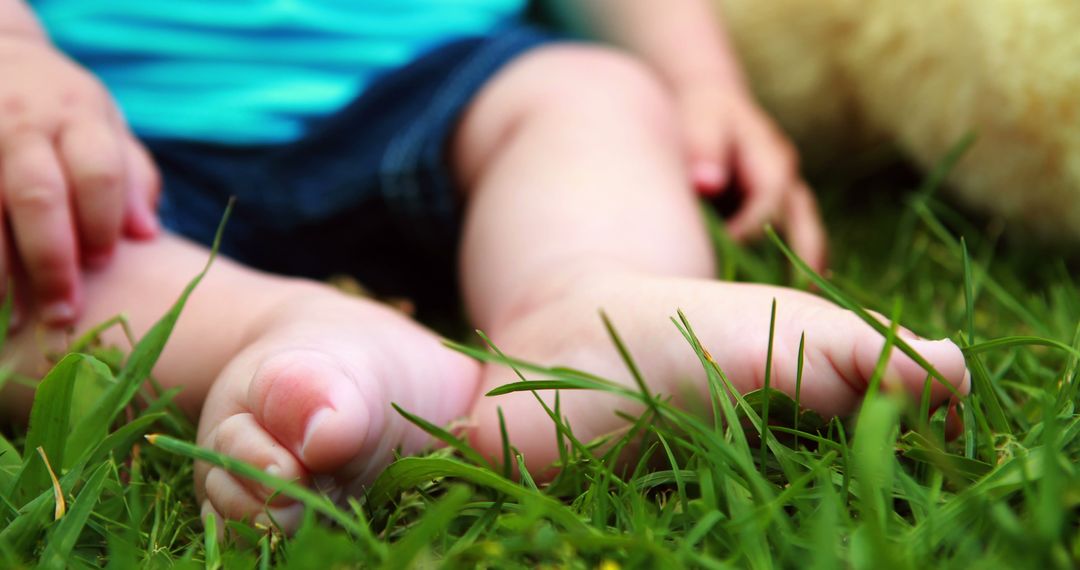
(706, 127)
(767, 169)
(93, 158)
(36, 203)
(765, 175)
(803, 227)
(144, 187)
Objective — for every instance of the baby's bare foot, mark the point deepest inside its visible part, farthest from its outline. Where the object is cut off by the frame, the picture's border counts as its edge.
(310, 401)
(732, 321)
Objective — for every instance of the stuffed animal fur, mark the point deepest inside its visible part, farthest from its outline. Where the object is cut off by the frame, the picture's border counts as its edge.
(838, 74)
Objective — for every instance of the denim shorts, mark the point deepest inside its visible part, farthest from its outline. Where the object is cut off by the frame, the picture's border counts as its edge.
(368, 192)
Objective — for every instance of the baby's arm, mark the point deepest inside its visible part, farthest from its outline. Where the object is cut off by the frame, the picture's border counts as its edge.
(682, 39)
(72, 177)
(16, 19)
(728, 137)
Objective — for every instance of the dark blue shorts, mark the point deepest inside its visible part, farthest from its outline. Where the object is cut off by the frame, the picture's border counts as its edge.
(369, 192)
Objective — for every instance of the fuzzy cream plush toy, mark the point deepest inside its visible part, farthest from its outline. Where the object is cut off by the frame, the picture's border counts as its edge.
(841, 73)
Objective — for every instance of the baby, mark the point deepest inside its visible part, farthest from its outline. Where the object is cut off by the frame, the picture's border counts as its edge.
(349, 129)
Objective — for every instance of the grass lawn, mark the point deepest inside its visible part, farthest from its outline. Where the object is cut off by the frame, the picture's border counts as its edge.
(883, 489)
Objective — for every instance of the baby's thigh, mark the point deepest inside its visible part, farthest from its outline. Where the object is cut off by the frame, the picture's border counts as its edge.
(559, 81)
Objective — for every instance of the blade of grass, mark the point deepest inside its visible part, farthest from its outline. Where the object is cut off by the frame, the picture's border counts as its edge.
(675, 470)
(10, 461)
(874, 384)
(768, 385)
(211, 547)
(874, 465)
(924, 401)
(560, 439)
(969, 293)
(1072, 373)
(1018, 341)
(88, 371)
(535, 385)
(526, 479)
(984, 387)
(58, 492)
(798, 386)
(63, 537)
(444, 436)
(733, 258)
(86, 340)
(5, 314)
(508, 466)
(628, 360)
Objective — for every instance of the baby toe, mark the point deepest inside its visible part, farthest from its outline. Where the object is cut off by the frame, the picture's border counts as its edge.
(235, 497)
(227, 498)
(313, 406)
(905, 373)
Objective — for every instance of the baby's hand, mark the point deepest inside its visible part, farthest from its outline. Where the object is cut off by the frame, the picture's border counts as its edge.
(72, 177)
(730, 139)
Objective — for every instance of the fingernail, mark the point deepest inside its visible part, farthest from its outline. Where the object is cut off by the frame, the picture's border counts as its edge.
(285, 518)
(143, 224)
(708, 175)
(207, 511)
(314, 421)
(149, 224)
(58, 313)
(152, 225)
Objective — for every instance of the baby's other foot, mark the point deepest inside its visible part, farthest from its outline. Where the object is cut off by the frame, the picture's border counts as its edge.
(732, 322)
(310, 401)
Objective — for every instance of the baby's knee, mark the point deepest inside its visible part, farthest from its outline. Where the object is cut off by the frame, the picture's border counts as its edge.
(596, 81)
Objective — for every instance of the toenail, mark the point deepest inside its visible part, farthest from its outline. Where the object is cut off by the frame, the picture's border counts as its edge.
(275, 472)
(908, 335)
(314, 422)
(60, 312)
(262, 520)
(207, 511)
(286, 518)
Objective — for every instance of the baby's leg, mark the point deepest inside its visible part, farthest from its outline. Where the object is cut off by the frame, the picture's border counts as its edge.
(579, 201)
(290, 375)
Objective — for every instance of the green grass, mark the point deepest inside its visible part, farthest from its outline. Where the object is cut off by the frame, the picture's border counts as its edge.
(881, 489)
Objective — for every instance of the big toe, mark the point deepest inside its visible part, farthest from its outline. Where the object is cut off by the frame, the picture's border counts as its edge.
(313, 405)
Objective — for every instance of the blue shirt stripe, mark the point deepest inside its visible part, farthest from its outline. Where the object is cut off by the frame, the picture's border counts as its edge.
(252, 71)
